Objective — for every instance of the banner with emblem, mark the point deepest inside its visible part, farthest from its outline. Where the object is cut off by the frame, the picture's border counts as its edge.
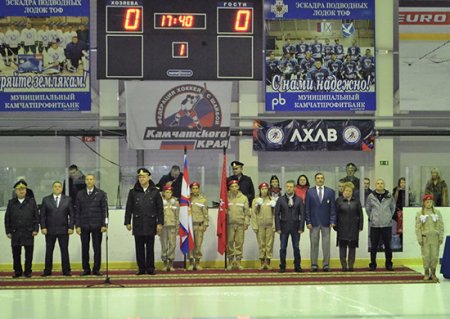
(314, 135)
(175, 114)
(320, 55)
(44, 56)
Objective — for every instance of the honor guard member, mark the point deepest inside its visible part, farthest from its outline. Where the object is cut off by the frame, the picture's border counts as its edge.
(170, 229)
(57, 222)
(245, 182)
(21, 225)
(91, 212)
(238, 220)
(144, 214)
(262, 221)
(200, 220)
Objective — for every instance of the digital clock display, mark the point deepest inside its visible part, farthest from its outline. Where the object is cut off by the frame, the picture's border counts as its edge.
(185, 21)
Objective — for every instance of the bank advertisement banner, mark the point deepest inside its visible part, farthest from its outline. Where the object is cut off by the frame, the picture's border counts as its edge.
(320, 55)
(314, 135)
(44, 55)
(424, 56)
(174, 114)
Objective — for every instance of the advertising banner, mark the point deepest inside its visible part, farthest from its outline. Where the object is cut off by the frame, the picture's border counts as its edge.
(424, 56)
(175, 114)
(320, 55)
(314, 135)
(44, 55)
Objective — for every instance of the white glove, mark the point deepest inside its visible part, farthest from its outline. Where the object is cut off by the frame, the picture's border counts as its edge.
(423, 218)
(164, 202)
(434, 217)
(273, 202)
(259, 201)
(173, 201)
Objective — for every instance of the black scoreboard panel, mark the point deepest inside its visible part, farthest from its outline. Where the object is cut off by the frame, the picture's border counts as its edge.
(176, 40)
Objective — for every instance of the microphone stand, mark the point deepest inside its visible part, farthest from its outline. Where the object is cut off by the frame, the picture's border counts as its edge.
(107, 282)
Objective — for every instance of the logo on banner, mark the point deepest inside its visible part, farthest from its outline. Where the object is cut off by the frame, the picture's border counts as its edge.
(279, 8)
(351, 135)
(189, 115)
(275, 135)
(348, 29)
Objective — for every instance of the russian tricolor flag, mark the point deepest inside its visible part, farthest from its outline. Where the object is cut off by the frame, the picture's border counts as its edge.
(186, 228)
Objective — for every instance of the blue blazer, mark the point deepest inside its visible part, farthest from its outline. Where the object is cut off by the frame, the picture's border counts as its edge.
(317, 213)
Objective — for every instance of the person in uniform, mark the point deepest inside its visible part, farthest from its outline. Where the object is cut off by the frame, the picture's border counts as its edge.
(200, 220)
(238, 220)
(21, 225)
(57, 222)
(349, 222)
(91, 212)
(351, 169)
(274, 189)
(170, 229)
(174, 179)
(262, 222)
(430, 235)
(290, 221)
(245, 182)
(144, 215)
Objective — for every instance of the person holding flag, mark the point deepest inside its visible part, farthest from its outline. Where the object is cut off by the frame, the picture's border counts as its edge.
(238, 220)
(200, 219)
(170, 229)
(185, 215)
(223, 207)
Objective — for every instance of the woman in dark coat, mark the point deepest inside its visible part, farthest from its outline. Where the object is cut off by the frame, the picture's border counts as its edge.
(348, 225)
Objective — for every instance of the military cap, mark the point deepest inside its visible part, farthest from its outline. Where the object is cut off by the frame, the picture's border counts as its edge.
(194, 184)
(20, 184)
(167, 188)
(143, 171)
(351, 165)
(233, 181)
(427, 197)
(236, 163)
(264, 184)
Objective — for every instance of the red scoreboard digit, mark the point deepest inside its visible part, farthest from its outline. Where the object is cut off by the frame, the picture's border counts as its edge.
(180, 40)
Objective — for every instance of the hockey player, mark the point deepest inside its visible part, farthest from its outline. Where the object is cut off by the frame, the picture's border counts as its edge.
(187, 108)
(12, 37)
(339, 50)
(3, 52)
(349, 70)
(43, 37)
(316, 49)
(318, 73)
(307, 63)
(288, 47)
(69, 34)
(334, 66)
(74, 53)
(302, 48)
(328, 50)
(289, 66)
(367, 66)
(272, 67)
(29, 38)
(56, 56)
(354, 51)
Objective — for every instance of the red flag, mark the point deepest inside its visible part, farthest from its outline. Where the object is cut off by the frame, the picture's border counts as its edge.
(223, 206)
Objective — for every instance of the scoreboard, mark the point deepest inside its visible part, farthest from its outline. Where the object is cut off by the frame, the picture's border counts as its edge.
(180, 40)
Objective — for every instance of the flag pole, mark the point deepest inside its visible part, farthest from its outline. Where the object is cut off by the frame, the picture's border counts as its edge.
(226, 219)
(184, 255)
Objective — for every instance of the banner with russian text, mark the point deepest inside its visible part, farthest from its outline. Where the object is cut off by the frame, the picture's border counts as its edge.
(174, 114)
(314, 135)
(320, 55)
(44, 55)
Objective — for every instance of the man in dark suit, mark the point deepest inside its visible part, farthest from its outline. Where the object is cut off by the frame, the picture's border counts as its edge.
(245, 182)
(76, 182)
(174, 179)
(57, 219)
(91, 212)
(145, 207)
(320, 216)
(289, 220)
(21, 225)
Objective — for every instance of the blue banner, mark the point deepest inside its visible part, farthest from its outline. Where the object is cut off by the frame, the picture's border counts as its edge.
(45, 55)
(320, 55)
(314, 135)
